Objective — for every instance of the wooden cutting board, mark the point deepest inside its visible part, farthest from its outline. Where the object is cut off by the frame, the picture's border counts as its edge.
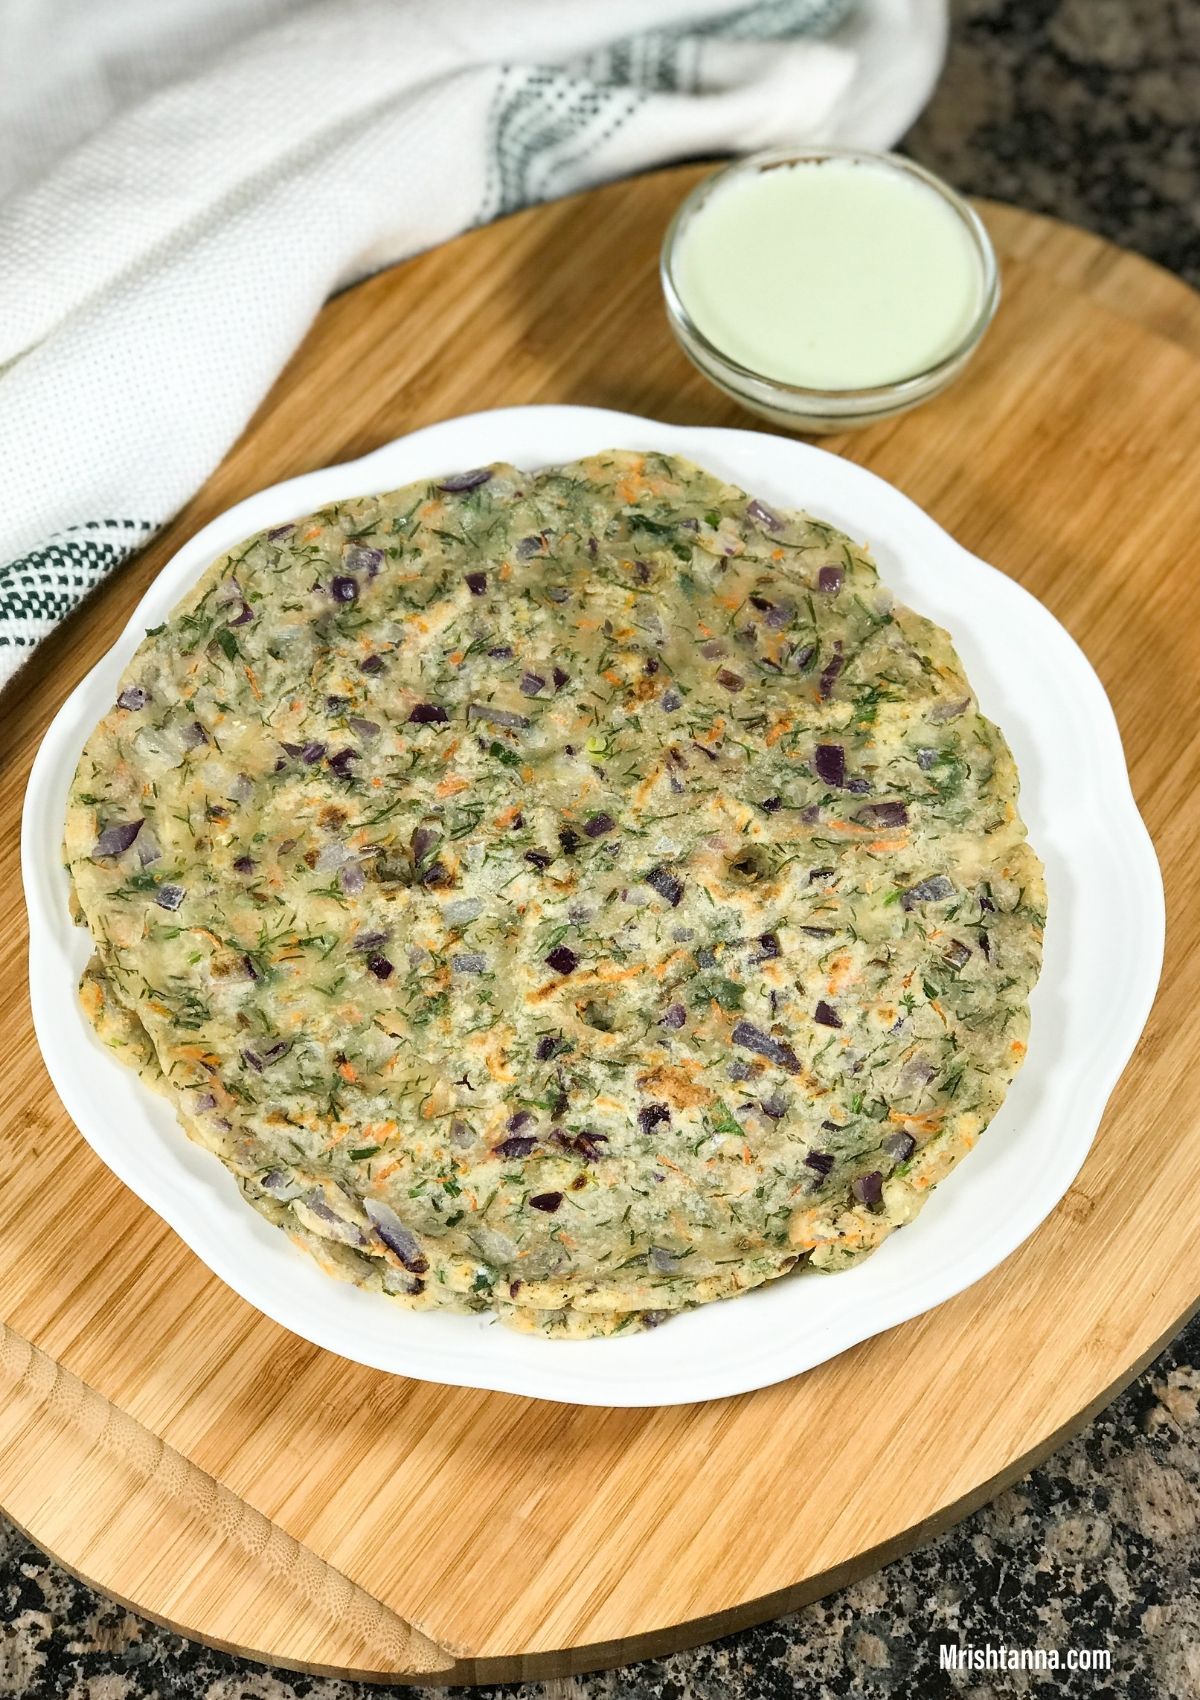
(188, 1456)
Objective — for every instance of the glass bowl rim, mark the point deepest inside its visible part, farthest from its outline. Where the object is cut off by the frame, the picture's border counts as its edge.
(881, 393)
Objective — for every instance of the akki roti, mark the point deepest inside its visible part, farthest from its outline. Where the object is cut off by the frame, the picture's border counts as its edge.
(575, 895)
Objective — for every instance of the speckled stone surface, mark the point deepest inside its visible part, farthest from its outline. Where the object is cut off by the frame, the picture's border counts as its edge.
(1086, 109)
(1090, 110)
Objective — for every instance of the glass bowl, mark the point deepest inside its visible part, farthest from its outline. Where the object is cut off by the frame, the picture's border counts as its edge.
(823, 410)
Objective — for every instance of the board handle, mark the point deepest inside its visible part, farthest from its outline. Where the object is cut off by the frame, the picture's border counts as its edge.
(35, 1388)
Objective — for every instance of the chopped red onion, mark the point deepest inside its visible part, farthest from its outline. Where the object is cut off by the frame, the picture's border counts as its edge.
(762, 515)
(650, 1115)
(494, 1247)
(427, 714)
(396, 1236)
(883, 814)
(169, 896)
(829, 763)
(916, 1072)
(562, 959)
(360, 558)
(516, 1145)
(776, 615)
(826, 1015)
(547, 1201)
(666, 884)
(868, 1189)
(116, 839)
(133, 697)
(900, 1146)
(348, 1232)
(829, 580)
(931, 890)
(752, 1038)
(260, 1059)
(344, 589)
(458, 482)
(829, 675)
(496, 716)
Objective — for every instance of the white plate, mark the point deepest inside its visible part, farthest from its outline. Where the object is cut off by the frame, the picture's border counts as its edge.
(1102, 958)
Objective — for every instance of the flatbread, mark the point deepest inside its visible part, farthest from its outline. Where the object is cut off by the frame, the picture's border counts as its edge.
(576, 896)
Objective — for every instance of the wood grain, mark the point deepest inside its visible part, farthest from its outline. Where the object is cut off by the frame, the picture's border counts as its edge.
(507, 1537)
(85, 1474)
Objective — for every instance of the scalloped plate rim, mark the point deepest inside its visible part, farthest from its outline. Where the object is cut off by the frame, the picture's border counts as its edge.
(192, 1192)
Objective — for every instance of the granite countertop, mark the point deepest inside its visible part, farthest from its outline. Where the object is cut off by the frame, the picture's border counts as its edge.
(1090, 110)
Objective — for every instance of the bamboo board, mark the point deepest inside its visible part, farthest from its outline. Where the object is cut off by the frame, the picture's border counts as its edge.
(188, 1456)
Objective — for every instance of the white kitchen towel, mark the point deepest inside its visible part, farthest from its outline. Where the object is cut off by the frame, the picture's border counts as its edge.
(184, 184)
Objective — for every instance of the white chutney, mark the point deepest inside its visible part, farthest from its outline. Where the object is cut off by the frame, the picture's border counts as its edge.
(830, 273)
